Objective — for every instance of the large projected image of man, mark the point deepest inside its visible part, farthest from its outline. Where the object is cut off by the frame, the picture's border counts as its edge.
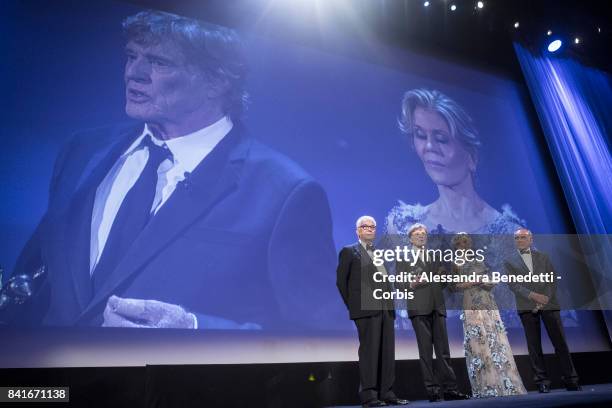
(181, 220)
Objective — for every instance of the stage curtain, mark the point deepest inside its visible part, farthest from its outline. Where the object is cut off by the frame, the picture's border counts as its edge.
(574, 105)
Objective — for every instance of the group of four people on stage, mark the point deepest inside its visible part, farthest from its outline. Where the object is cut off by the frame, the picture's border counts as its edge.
(490, 363)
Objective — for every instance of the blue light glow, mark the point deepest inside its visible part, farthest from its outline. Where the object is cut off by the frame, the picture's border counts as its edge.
(554, 46)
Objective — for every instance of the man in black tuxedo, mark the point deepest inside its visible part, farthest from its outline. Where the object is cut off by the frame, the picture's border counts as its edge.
(427, 312)
(535, 302)
(182, 219)
(374, 318)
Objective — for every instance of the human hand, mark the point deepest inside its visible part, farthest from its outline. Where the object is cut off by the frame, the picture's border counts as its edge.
(146, 313)
(538, 298)
(418, 281)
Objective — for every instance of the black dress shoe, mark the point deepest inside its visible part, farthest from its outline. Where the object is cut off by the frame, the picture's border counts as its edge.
(544, 388)
(455, 395)
(396, 401)
(574, 387)
(434, 398)
(374, 403)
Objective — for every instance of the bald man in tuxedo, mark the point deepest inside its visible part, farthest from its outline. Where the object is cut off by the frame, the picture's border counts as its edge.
(536, 303)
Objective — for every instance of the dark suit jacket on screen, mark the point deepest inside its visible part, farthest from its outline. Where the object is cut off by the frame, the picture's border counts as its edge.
(246, 237)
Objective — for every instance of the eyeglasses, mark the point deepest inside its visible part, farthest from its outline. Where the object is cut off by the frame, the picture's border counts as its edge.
(370, 227)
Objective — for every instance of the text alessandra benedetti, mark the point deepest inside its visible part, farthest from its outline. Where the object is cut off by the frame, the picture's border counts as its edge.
(432, 277)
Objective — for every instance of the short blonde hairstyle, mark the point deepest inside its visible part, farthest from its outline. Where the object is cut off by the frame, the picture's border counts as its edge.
(460, 123)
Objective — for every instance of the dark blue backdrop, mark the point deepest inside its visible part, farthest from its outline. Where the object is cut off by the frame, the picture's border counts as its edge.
(334, 114)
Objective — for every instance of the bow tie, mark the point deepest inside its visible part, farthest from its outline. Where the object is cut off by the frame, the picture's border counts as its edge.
(525, 251)
(369, 247)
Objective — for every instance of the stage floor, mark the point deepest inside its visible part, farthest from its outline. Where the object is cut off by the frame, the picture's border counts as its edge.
(293, 385)
(599, 395)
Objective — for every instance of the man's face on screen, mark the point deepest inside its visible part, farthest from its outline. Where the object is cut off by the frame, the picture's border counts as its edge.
(160, 86)
(444, 158)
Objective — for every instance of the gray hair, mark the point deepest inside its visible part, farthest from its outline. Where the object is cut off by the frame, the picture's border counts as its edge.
(459, 122)
(522, 229)
(415, 227)
(217, 50)
(363, 218)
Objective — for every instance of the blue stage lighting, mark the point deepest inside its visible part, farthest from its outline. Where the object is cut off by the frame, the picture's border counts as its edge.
(554, 45)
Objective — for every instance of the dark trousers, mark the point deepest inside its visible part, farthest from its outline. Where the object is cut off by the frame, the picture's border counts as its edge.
(376, 356)
(554, 328)
(431, 335)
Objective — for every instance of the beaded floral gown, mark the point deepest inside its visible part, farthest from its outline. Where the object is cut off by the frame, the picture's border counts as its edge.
(490, 363)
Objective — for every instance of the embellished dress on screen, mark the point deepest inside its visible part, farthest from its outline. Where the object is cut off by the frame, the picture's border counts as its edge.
(496, 236)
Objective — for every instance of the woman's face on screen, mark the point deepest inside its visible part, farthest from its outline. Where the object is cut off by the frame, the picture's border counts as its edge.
(444, 158)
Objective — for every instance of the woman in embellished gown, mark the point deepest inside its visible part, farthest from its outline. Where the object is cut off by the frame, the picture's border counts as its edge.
(490, 363)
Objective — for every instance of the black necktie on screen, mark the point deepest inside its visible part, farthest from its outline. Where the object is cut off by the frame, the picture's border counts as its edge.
(525, 251)
(134, 213)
